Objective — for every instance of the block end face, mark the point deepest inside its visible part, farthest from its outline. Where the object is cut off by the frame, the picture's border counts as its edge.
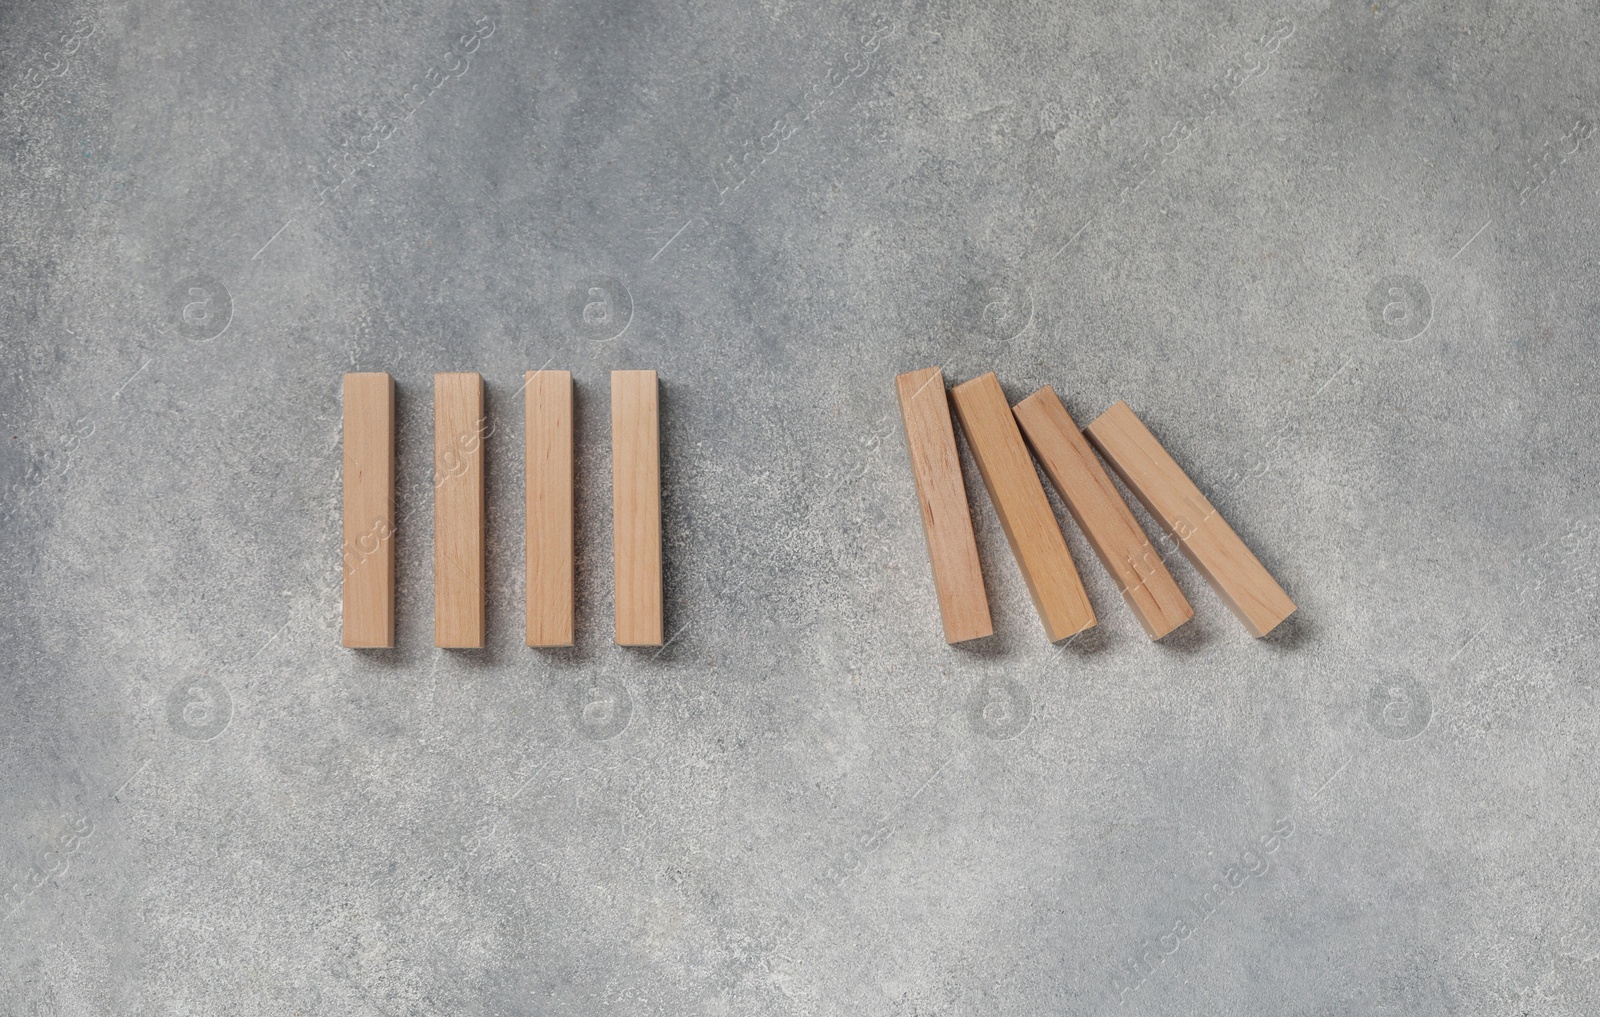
(1107, 418)
(1159, 606)
(1263, 627)
(911, 385)
(917, 376)
(968, 632)
(460, 634)
(1067, 629)
(1162, 626)
(980, 382)
(1037, 398)
(1064, 622)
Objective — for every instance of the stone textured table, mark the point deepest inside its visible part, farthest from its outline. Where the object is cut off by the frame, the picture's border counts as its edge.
(1341, 258)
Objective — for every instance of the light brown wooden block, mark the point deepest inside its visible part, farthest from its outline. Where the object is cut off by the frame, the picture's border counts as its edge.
(946, 518)
(368, 551)
(1024, 511)
(1102, 515)
(549, 491)
(1204, 536)
(636, 507)
(458, 510)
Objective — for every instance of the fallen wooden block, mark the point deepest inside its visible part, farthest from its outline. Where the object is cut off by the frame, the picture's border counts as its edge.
(1204, 536)
(458, 510)
(946, 519)
(368, 551)
(1102, 515)
(548, 487)
(636, 507)
(1024, 511)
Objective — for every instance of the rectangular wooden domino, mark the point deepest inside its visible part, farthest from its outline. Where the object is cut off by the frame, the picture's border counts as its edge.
(946, 517)
(368, 548)
(1205, 537)
(548, 486)
(636, 507)
(1102, 515)
(1024, 511)
(458, 510)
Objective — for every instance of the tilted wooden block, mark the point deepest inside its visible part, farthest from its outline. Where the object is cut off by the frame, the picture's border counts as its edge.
(1102, 515)
(549, 492)
(368, 551)
(636, 507)
(1204, 536)
(1024, 511)
(946, 518)
(458, 510)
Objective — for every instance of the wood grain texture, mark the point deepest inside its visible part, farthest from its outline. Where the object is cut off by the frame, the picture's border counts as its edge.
(548, 484)
(368, 551)
(458, 510)
(946, 516)
(1147, 587)
(1024, 511)
(1205, 537)
(636, 507)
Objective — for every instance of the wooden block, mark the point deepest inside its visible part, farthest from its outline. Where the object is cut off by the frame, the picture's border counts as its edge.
(1204, 536)
(636, 507)
(458, 511)
(946, 518)
(1024, 511)
(549, 490)
(368, 550)
(1102, 515)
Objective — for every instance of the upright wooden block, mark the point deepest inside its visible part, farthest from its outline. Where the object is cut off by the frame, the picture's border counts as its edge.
(1102, 515)
(458, 510)
(1204, 536)
(946, 518)
(368, 552)
(549, 492)
(636, 507)
(1024, 511)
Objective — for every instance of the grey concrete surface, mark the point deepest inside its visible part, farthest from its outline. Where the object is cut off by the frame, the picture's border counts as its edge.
(1340, 256)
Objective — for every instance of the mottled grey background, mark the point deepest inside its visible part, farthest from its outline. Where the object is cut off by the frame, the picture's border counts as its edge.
(1340, 256)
